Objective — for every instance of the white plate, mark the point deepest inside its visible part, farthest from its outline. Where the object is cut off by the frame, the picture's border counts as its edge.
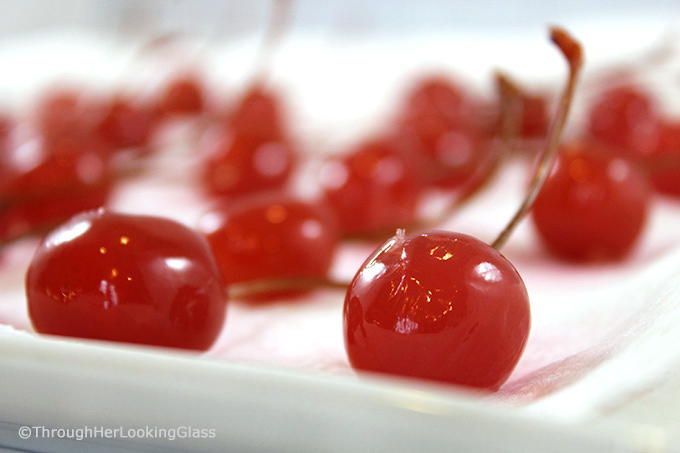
(599, 373)
(54, 383)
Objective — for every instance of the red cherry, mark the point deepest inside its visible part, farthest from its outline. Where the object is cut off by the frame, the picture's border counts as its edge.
(445, 306)
(59, 114)
(434, 102)
(373, 189)
(125, 124)
(666, 177)
(67, 121)
(182, 96)
(259, 115)
(240, 164)
(592, 207)
(271, 237)
(445, 126)
(439, 306)
(126, 278)
(40, 189)
(625, 118)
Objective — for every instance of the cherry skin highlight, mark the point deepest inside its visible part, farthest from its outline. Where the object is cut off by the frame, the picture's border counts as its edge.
(592, 207)
(271, 236)
(439, 306)
(126, 278)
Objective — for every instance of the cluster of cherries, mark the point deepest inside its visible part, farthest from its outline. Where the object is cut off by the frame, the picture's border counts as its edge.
(437, 305)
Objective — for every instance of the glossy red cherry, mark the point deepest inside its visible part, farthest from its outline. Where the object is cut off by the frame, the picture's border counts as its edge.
(182, 96)
(665, 174)
(125, 278)
(592, 207)
(239, 164)
(439, 306)
(271, 237)
(627, 119)
(372, 189)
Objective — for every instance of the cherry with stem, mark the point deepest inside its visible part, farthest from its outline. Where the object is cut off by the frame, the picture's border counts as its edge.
(445, 306)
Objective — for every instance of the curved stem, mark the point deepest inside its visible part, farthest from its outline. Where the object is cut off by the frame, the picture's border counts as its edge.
(573, 52)
(511, 110)
(508, 94)
(279, 23)
(261, 287)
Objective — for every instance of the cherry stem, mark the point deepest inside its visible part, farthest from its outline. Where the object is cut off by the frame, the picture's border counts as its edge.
(511, 110)
(254, 288)
(279, 24)
(573, 52)
(509, 95)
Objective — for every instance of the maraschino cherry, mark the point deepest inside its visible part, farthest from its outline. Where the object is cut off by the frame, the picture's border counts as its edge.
(593, 206)
(627, 119)
(269, 237)
(440, 306)
(444, 125)
(41, 187)
(182, 96)
(126, 278)
(125, 124)
(240, 163)
(373, 188)
(259, 115)
(445, 306)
